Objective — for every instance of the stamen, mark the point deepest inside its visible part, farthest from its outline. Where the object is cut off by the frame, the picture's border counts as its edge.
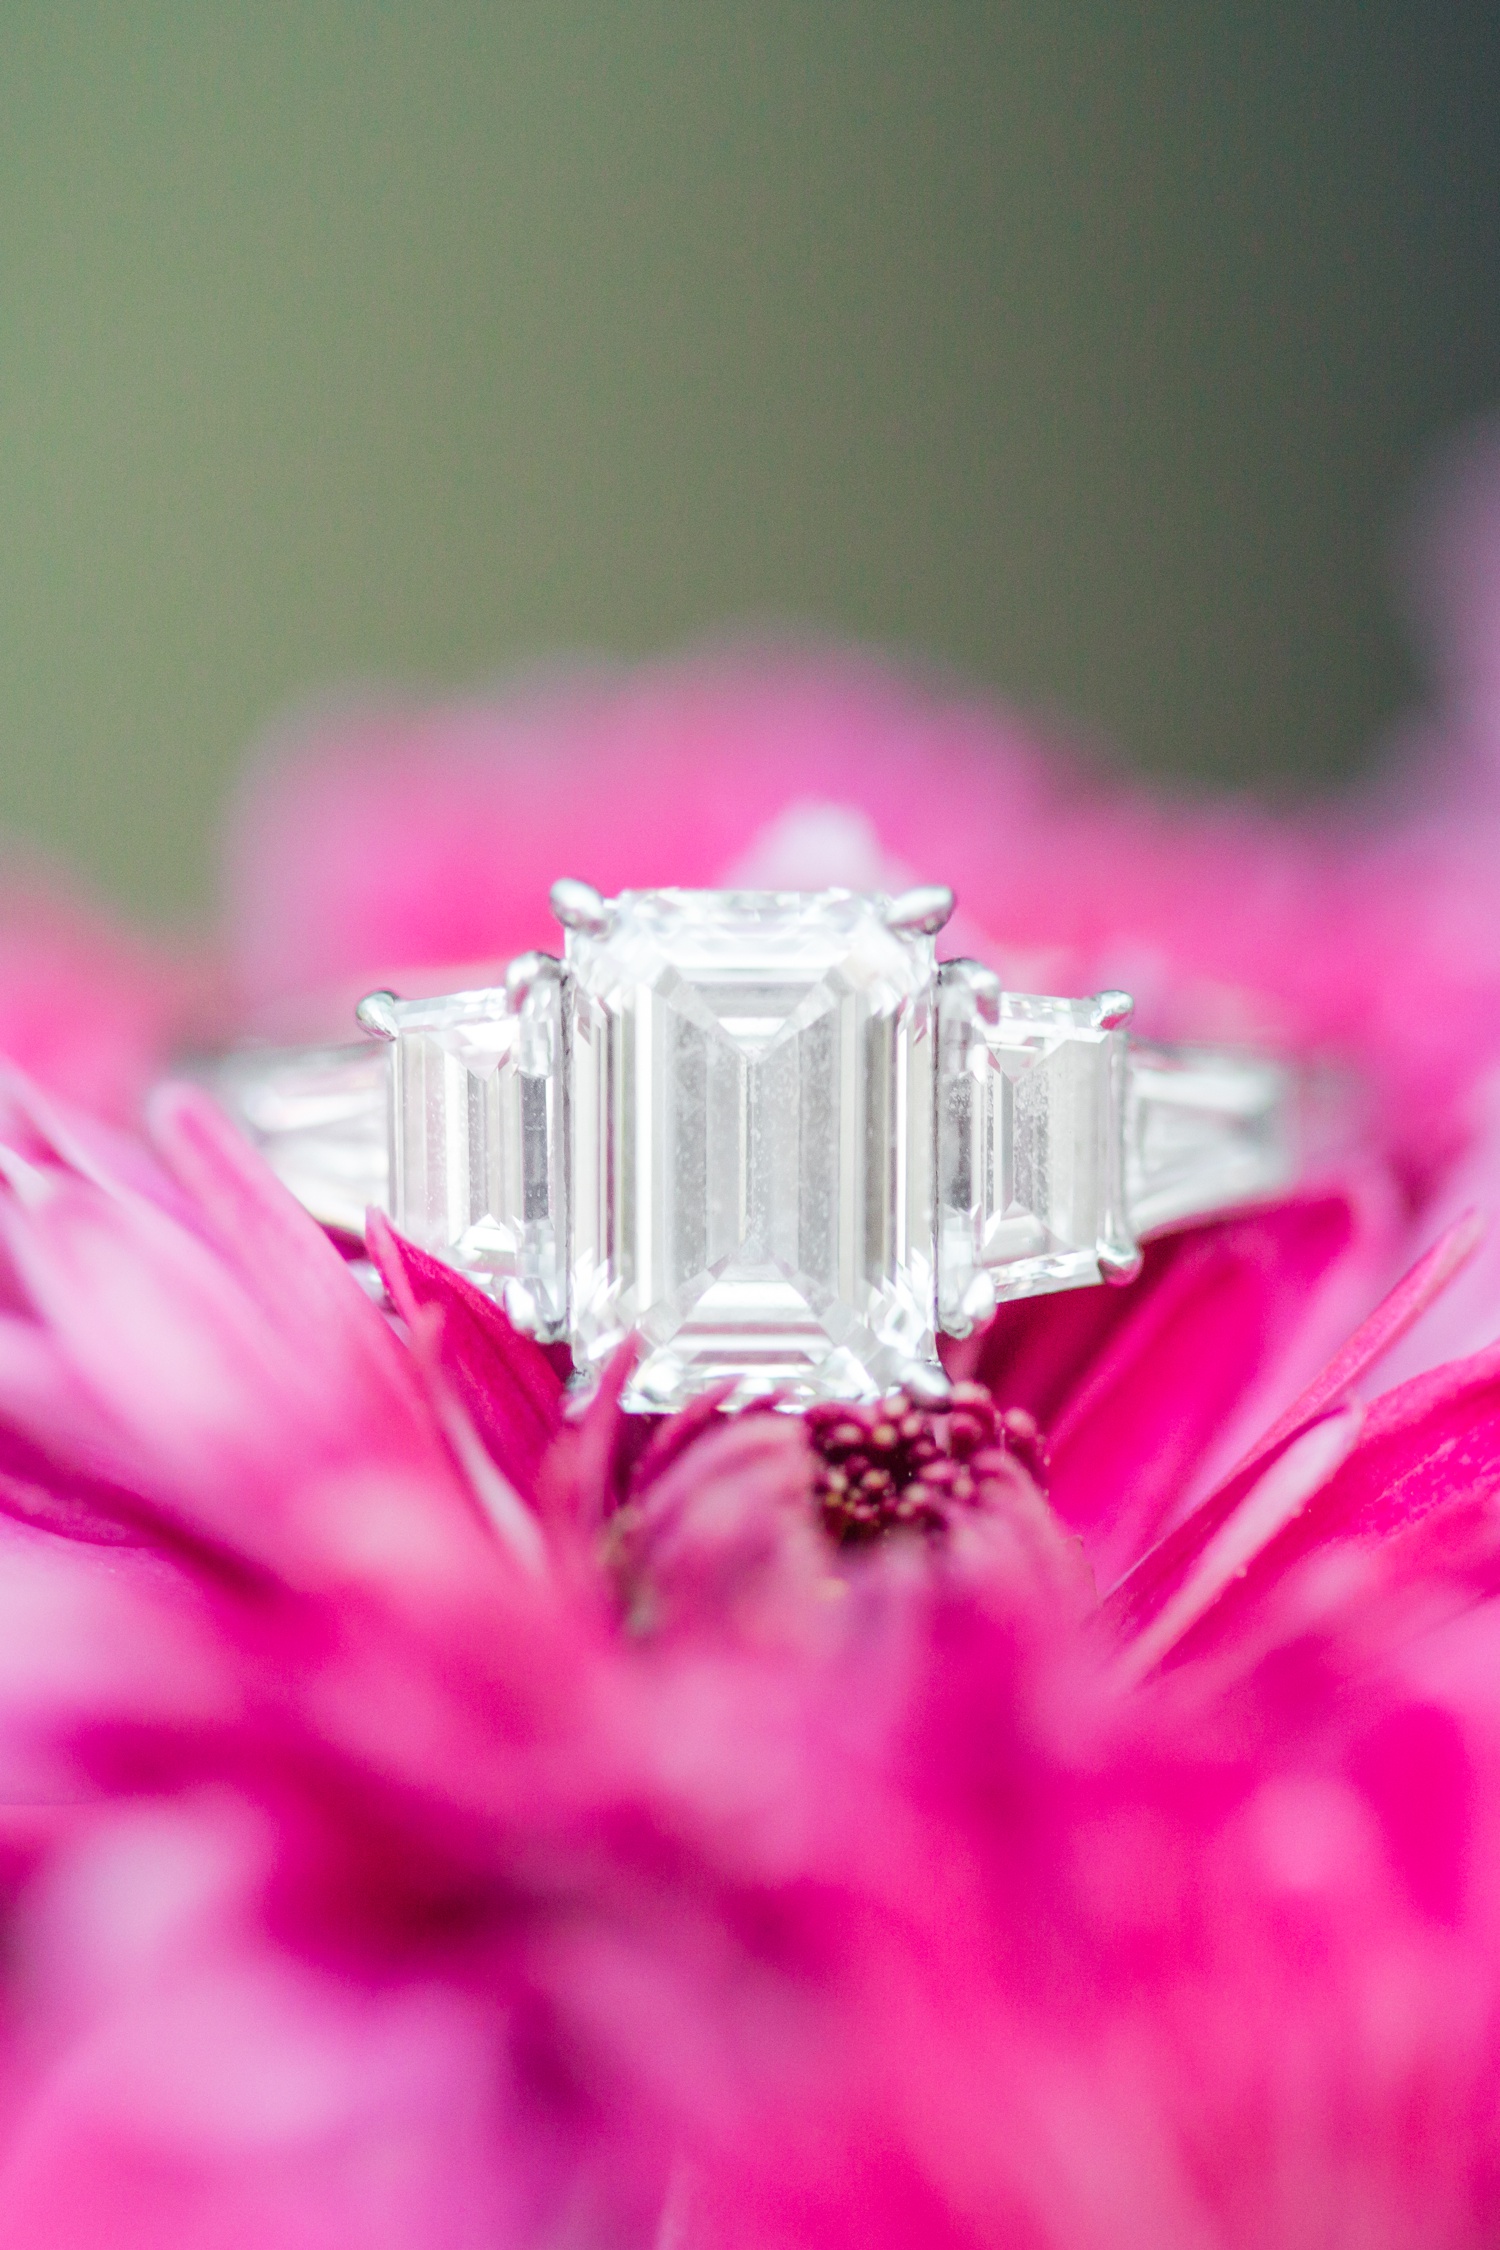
(902, 1465)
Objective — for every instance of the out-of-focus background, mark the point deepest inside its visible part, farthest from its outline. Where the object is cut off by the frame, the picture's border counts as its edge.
(1091, 350)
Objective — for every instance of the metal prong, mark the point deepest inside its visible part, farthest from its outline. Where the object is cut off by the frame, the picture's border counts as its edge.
(973, 977)
(924, 909)
(976, 974)
(578, 906)
(524, 972)
(376, 1014)
(1112, 1009)
(1120, 1264)
(926, 1382)
(973, 1310)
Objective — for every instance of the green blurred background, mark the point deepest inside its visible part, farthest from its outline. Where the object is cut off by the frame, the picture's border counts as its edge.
(1090, 349)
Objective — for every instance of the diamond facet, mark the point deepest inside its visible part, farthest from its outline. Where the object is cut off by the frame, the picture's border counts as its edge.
(752, 1121)
(1031, 1194)
(477, 1168)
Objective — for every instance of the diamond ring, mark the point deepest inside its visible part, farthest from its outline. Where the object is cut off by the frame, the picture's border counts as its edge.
(767, 1132)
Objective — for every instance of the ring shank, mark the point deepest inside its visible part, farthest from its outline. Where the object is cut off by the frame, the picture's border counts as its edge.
(319, 1117)
(1206, 1130)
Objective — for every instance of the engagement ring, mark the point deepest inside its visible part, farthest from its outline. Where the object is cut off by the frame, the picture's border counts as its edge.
(767, 1132)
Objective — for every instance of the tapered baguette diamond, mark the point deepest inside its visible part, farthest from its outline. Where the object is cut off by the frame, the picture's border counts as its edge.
(1205, 1130)
(477, 1168)
(752, 1127)
(1032, 1191)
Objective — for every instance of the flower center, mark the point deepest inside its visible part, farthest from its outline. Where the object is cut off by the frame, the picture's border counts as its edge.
(903, 1465)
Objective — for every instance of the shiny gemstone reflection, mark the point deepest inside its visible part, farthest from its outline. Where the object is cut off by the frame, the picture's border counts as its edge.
(752, 1136)
(476, 1137)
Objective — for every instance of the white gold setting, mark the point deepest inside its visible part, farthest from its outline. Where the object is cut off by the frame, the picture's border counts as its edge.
(766, 1133)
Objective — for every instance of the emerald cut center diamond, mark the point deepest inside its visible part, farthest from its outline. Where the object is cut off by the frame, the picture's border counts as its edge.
(752, 1143)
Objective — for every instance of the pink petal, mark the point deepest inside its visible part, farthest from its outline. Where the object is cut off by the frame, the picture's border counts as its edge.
(1467, 1316)
(503, 1380)
(1246, 1511)
(1142, 1390)
(1416, 1768)
(722, 1538)
(585, 1474)
(1432, 1439)
(429, 837)
(1424, 1448)
(1181, 1580)
(248, 1395)
(1428, 1280)
(87, 1009)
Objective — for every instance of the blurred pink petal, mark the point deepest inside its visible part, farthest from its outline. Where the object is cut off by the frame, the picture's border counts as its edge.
(1149, 1394)
(1424, 1445)
(88, 1009)
(1246, 1512)
(756, 1906)
(504, 1381)
(225, 1378)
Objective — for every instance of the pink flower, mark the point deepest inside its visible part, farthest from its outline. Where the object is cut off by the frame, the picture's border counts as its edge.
(434, 1816)
(438, 1822)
